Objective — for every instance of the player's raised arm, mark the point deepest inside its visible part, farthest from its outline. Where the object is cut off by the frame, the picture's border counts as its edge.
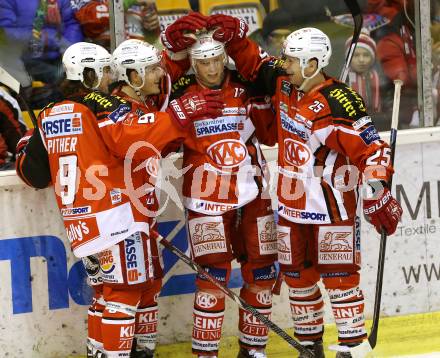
(251, 61)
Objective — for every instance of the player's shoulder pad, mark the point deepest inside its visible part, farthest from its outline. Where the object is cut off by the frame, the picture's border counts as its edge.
(47, 106)
(41, 113)
(344, 102)
(99, 102)
(179, 87)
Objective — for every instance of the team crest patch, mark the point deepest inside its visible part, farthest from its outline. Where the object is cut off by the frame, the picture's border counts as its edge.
(115, 196)
(369, 135)
(286, 87)
(119, 112)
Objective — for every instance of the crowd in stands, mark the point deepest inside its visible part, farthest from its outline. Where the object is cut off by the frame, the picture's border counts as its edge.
(35, 33)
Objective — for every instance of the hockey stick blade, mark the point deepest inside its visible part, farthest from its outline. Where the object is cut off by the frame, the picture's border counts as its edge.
(15, 85)
(355, 11)
(243, 304)
(9, 81)
(362, 350)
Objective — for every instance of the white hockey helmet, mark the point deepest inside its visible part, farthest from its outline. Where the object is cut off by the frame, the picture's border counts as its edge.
(135, 55)
(83, 55)
(206, 47)
(308, 43)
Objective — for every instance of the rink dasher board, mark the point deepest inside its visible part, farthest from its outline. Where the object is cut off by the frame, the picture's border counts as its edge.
(45, 303)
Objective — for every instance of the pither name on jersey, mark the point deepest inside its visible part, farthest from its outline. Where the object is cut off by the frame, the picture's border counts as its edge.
(61, 145)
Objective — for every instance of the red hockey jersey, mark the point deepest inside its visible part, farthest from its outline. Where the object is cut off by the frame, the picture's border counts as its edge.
(223, 163)
(326, 141)
(92, 147)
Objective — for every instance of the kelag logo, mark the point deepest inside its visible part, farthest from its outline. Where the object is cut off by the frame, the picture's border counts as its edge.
(64, 282)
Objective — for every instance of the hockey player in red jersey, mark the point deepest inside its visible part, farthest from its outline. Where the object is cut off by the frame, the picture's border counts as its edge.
(327, 144)
(141, 72)
(82, 142)
(227, 214)
(96, 76)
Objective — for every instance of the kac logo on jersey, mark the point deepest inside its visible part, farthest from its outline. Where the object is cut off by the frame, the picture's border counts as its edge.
(228, 153)
(62, 125)
(296, 153)
(264, 297)
(206, 300)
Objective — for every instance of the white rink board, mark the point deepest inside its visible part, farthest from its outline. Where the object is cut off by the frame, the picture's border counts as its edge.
(53, 323)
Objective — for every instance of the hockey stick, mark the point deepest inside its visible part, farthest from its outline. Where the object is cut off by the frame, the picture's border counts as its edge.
(355, 11)
(13, 84)
(243, 304)
(363, 349)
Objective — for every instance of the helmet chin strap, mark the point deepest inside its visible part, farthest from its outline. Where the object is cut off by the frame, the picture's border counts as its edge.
(307, 78)
(99, 76)
(137, 89)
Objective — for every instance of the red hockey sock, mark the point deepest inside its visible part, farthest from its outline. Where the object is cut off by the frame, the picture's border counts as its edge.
(306, 306)
(118, 321)
(348, 310)
(94, 316)
(147, 318)
(253, 333)
(209, 308)
(99, 309)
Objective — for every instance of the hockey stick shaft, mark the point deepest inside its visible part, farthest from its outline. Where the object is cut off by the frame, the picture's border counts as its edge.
(355, 11)
(243, 304)
(383, 238)
(14, 85)
(363, 349)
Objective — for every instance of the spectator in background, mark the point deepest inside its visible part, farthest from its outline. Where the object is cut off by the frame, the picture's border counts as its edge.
(141, 20)
(275, 30)
(12, 128)
(364, 78)
(43, 29)
(395, 41)
(396, 52)
(304, 12)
